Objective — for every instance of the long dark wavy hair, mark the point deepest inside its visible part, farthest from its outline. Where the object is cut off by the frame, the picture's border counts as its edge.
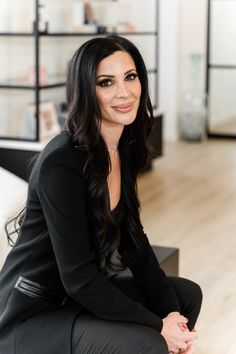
(124, 230)
(83, 124)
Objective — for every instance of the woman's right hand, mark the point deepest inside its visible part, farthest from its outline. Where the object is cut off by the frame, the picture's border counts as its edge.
(176, 339)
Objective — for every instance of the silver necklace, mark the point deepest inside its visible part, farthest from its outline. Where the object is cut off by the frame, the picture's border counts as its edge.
(113, 149)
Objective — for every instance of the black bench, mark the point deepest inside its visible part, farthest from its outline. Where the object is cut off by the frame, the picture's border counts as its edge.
(168, 258)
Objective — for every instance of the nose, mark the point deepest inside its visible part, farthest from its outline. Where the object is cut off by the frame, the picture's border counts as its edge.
(122, 89)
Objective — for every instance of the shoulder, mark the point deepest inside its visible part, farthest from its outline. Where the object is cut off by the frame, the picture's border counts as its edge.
(61, 149)
(60, 154)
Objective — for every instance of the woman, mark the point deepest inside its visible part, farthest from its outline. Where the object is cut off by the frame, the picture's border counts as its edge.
(58, 288)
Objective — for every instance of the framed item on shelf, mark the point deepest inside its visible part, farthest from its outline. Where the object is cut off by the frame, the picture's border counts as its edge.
(43, 75)
(48, 122)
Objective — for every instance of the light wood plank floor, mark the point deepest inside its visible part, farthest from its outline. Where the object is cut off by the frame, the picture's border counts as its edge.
(189, 201)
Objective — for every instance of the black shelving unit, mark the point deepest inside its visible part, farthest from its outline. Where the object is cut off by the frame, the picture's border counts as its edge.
(14, 156)
(36, 34)
(209, 68)
(37, 87)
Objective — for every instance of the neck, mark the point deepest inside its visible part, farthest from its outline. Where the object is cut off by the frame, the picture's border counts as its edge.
(111, 136)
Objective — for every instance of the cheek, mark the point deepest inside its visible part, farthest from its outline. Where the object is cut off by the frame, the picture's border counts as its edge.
(103, 99)
(138, 91)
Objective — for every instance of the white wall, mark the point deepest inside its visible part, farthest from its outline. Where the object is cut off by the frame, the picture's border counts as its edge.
(223, 51)
(192, 40)
(168, 67)
(182, 32)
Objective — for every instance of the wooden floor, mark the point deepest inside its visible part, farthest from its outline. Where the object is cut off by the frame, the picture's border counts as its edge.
(189, 202)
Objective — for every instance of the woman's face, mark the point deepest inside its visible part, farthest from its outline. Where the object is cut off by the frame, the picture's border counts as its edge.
(118, 89)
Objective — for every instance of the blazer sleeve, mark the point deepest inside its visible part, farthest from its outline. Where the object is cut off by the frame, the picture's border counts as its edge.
(62, 193)
(162, 298)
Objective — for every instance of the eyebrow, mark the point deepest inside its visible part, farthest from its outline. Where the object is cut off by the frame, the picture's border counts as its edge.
(111, 76)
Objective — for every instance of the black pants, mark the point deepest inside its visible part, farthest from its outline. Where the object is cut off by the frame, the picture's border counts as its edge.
(92, 335)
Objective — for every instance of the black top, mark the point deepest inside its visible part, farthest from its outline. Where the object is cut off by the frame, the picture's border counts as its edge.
(55, 249)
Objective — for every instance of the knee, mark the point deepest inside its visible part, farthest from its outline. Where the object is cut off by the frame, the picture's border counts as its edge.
(154, 343)
(197, 294)
(147, 340)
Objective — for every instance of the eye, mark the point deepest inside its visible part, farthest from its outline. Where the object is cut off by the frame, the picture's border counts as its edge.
(131, 77)
(105, 83)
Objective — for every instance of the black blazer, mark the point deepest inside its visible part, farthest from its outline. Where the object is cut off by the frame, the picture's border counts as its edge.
(52, 272)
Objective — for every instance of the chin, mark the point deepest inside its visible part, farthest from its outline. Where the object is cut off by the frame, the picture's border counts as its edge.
(127, 119)
(120, 118)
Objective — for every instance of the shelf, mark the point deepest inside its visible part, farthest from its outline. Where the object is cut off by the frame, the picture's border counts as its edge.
(28, 87)
(86, 34)
(22, 144)
(221, 135)
(221, 66)
(23, 85)
(74, 34)
(16, 34)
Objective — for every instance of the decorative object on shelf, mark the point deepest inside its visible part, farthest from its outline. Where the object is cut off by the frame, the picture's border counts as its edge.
(43, 76)
(88, 13)
(90, 24)
(101, 29)
(109, 15)
(59, 16)
(78, 15)
(123, 21)
(193, 110)
(43, 23)
(125, 27)
(48, 122)
(15, 16)
(115, 16)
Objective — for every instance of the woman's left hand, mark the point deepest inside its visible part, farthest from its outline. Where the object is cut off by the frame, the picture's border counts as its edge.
(190, 343)
(191, 346)
(189, 350)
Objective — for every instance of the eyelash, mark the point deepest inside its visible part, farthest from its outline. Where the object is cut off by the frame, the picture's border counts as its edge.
(108, 82)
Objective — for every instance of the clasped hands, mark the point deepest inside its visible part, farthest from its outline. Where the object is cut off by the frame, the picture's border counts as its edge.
(177, 335)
